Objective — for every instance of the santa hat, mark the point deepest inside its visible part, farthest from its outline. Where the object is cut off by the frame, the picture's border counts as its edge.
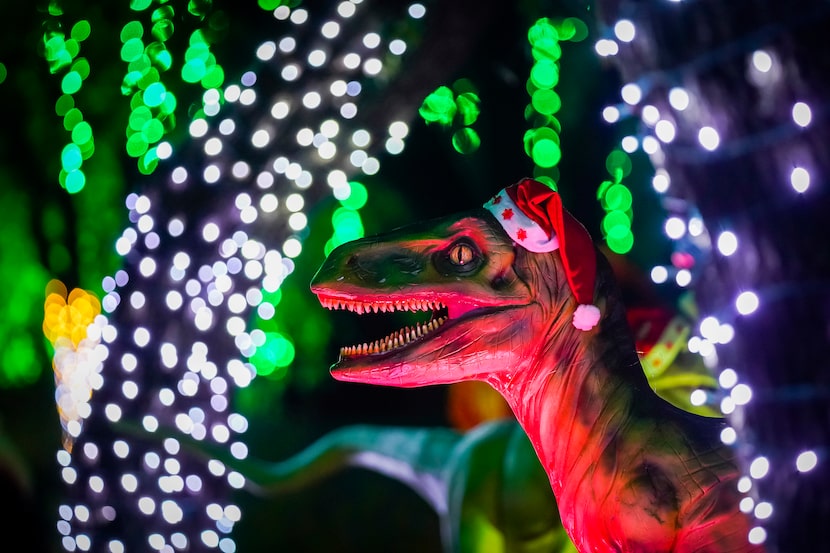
(533, 216)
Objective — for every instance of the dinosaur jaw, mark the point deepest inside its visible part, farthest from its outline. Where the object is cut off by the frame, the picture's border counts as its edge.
(429, 352)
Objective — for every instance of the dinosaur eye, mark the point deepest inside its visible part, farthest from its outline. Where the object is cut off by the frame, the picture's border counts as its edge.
(461, 258)
(461, 254)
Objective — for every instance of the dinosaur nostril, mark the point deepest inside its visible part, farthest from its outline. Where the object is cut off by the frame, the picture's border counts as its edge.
(352, 261)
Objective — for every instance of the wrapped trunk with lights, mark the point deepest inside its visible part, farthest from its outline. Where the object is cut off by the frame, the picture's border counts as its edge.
(730, 98)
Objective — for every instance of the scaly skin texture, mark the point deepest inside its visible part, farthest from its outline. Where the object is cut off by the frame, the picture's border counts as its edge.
(630, 472)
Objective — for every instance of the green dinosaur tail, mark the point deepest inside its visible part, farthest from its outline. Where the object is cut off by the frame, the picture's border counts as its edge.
(414, 456)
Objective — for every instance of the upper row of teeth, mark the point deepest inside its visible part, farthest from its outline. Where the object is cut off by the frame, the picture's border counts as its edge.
(366, 307)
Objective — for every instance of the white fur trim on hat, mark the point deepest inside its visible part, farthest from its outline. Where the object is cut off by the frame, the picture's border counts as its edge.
(523, 230)
(586, 316)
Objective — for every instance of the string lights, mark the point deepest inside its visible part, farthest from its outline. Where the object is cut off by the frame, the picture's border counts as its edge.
(686, 125)
(190, 316)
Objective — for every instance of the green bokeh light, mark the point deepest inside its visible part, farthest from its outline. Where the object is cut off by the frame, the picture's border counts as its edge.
(546, 101)
(54, 9)
(140, 5)
(163, 30)
(269, 5)
(618, 161)
(148, 162)
(148, 77)
(139, 117)
(154, 94)
(64, 103)
(81, 66)
(132, 49)
(622, 243)
(276, 353)
(618, 197)
(193, 70)
(439, 107)
(152, 130)
(71, 82)
(467, 104)
(73, 47)
(199, 8)
(136, 145)
(82, 133)
(168, 106)
(543, 29)
(163, 13)
(533, 136)
(347, 224)
(71, 158)
(614, 221)
(544, 74)
(132, 29)
(159, 56)
(357, 196)
(573, 29)
(75, 181)
(214, 77)
(546, 153)
(546, 49)
(466, 140)
(72, 118)
(80, 30)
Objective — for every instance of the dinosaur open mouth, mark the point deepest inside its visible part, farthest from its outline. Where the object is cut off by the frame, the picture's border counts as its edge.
(399, 338)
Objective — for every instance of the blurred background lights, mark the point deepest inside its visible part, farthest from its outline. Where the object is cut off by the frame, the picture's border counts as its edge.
(759, 467)
(757, 535)
(727, 378)
(630, 144)
(660, 182)
(727, 243)
(802, 114)
(417, 11)
(762, 61)
(606, 47)
(611, 114)
(665, 130)
(631, 94)
(675, 227)
(659, 274)
(708, 138)
(728, 435)
(683, 278)
(806, 461)
(746, 302)
(678, 98)
(800, 179)
(624, 30)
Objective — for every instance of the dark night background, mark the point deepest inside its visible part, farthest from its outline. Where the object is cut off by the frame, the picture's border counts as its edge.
(485, 42)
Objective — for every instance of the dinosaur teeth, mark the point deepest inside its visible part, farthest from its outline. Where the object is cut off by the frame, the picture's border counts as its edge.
(361, 307)
(395, 340)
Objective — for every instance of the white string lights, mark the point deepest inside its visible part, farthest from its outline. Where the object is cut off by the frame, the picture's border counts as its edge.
(204, 252)
(674, 116)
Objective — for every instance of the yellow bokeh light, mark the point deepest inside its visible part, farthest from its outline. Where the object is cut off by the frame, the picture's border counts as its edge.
(68, 316)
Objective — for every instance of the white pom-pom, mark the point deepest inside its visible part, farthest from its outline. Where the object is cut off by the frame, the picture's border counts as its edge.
(586, 317)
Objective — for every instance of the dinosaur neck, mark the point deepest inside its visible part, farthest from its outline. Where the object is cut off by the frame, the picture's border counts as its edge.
(576, 396)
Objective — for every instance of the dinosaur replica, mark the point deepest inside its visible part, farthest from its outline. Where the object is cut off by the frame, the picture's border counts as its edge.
(481, 478)
(520, 298)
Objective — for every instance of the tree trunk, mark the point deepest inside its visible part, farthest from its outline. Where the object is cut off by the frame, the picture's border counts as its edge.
(717, 52)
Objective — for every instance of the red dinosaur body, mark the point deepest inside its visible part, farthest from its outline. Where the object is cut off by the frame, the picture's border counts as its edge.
(630, 472)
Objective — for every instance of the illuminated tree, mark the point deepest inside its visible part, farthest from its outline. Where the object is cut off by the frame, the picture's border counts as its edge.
(731, 98)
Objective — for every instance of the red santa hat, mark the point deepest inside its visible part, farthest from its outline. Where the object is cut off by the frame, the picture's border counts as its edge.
(532, 214)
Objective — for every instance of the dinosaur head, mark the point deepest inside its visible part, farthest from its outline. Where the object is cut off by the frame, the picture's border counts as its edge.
(498, 288)
(460, 271)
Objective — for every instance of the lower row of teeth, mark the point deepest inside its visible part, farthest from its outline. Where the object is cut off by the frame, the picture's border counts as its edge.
(394, 340)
